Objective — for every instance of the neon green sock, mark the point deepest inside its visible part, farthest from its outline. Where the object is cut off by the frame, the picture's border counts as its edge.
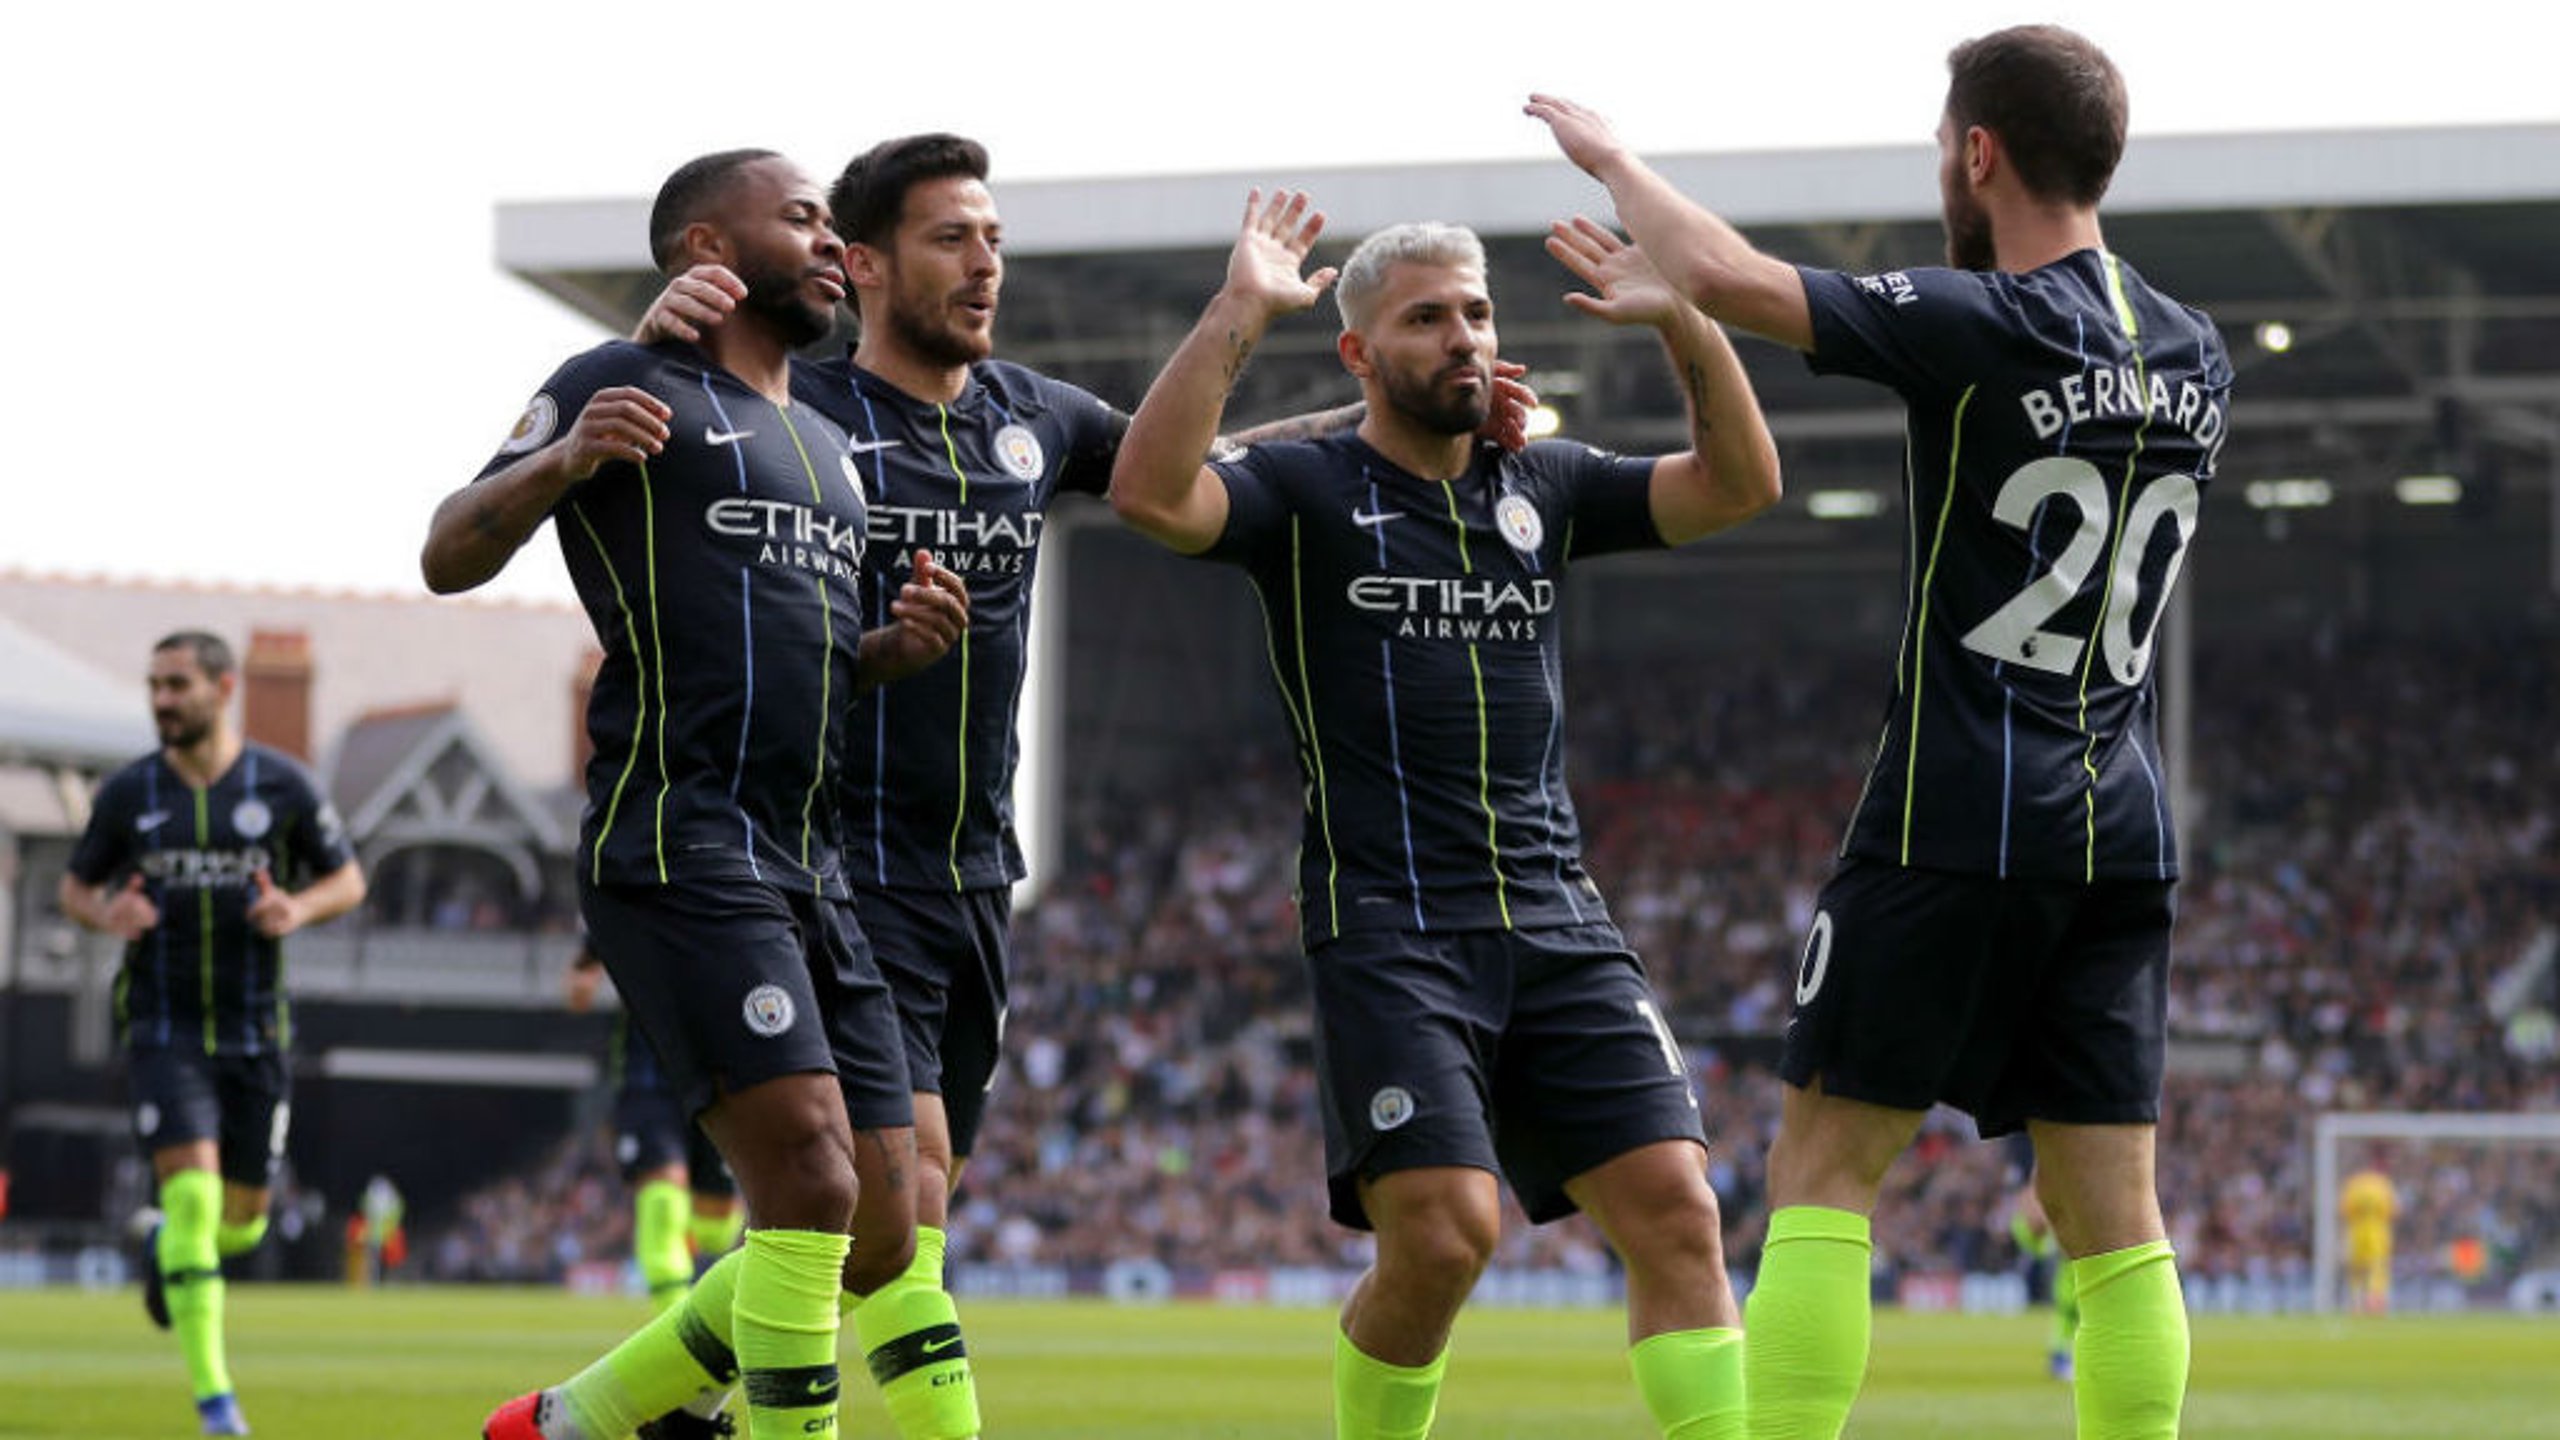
(1692, 1382)
(909, 1332)
(232, 1240)
(784, 1325)
(682, 1357)
(2066, 1307)
(1808, 1320)
(657, 1240)
(191, 1269)
(715, 1235)
(1373, 1400)
(2132, 1360)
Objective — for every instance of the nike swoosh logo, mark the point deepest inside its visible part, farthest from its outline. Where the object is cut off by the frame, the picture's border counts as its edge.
(865, 447)
(822, 1389)
(724, 437)
(151, 822)
(1371, 520)
(936, 1347)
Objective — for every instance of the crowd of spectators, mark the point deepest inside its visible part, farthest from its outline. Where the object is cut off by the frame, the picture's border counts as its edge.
(2372, 871)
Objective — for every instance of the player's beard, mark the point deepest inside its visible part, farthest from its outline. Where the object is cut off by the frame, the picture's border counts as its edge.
(181, 729)
(778, 296)
(920, 325)
(1968, 225)
(1423, 402)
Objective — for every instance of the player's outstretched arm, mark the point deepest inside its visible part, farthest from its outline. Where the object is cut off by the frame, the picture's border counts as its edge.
(479, 527)
(929, 616)
(1730, 471)
(1703, 257)
(696, 301)
(1158, 483)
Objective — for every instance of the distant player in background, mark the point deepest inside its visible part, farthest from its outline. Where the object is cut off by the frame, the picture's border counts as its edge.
(1479, 1018)
(715, 532)
(2047, 1271)
(2368, 1203)
(684, 1201)
(965, 454)
(1997, 932)
(202, 856)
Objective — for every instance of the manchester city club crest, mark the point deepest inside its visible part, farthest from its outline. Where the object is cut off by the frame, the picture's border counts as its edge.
(769, 1010)
(1018, 450)
(1518, 521)
(533, 428)
(1390, 1107)
(252, 819)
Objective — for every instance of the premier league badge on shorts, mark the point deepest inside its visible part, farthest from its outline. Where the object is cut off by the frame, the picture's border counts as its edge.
(1518, 520)
(1018, 450)
(768, 1010)
(1390, 1107)
(252, 819)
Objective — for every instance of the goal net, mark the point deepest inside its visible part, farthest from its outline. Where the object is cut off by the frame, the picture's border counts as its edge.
(2476, 1221)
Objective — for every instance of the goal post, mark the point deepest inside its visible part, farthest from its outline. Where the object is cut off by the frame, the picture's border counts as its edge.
(2334, 1132)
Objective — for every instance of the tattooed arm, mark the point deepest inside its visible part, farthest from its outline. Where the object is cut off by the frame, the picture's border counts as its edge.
(1158, 483)
(1730, 471)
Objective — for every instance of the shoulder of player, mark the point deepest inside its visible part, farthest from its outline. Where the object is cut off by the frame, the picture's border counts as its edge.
(1027, 394)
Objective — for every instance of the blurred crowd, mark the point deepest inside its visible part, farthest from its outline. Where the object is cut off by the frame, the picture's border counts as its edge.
(2371, 897)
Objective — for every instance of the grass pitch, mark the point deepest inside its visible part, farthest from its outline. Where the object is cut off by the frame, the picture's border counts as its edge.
(409, 1364)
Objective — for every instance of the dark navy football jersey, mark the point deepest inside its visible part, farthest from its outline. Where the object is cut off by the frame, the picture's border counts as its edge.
(722, 577)
(203, 977)
(2062, 431)
(928, 792)
(1414, 632)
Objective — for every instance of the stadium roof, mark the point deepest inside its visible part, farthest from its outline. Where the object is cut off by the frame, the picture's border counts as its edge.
(58, 710)
(2413, 268)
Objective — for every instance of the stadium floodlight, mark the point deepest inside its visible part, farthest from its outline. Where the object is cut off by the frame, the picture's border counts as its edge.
(2274, 336)
(1544, 420)
(1844, 504)
(2428, 489)
(2308, 493)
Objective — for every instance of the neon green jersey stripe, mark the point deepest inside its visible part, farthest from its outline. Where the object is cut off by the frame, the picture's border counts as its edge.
(826, 664)
(640, 722)
(2107, 596)
(1315, 740)
(204, 916)
(960, 742)
(658, 652)
(1920, 651)
(1484, 731)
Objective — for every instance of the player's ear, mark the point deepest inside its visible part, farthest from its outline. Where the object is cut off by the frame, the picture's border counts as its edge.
(1354, 351)
(1982, 155)
(864, 266)
(705, 244)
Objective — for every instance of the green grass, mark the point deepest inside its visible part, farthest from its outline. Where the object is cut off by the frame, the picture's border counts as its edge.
(390, 1365)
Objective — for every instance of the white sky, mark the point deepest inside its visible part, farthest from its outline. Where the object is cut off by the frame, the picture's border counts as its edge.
(255, 239)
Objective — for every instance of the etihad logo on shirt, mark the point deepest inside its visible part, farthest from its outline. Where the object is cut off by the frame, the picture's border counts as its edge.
(208, 869)
(1457, 609)
(970, 542)
(789, 534)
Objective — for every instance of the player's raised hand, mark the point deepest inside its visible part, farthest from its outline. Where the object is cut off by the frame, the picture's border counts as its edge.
(272, 912)
(621, 422)
(130, 915)
(1585, 138)
(1506, 421)
(1630, 290)
(1271, 250)
(693, 302)
(929, 616)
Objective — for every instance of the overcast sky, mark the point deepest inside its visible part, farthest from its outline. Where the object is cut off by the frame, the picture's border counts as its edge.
(255, 238)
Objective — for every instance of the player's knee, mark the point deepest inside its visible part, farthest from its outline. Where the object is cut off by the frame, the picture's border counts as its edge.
(805, 1182)
(1449, 1243)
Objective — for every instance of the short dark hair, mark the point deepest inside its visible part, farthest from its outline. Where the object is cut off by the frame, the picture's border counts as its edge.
(689, 194)
(870, 197)
(2055, 100)
(212, 653)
